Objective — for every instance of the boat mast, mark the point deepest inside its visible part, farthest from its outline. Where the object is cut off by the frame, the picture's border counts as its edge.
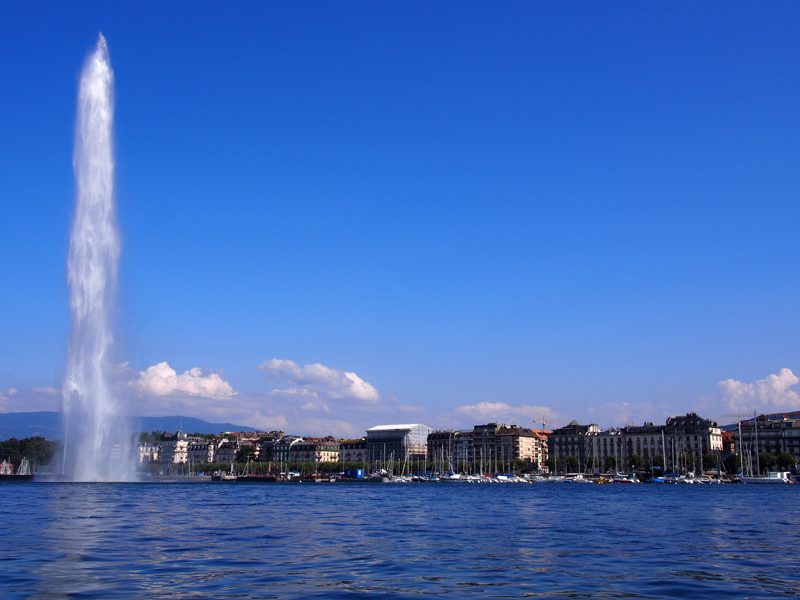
(758, 460)
(741, 456)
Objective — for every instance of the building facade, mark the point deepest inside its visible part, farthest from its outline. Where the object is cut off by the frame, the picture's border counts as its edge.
(568, 446)
(679, 445)
(516, 443)
(541, 452)
(489, 447)
(692, 436)
(484, 447)
(147, 452)
(201, 451)
(450, 451)
(353, 450)
(645, 440)
(173, 449)
(388, 443)
(607, 450)
(226, 450)
(282, 448)
(768, 433)
(314, 450)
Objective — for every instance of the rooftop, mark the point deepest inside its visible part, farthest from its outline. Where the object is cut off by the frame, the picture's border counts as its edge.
(396, 427)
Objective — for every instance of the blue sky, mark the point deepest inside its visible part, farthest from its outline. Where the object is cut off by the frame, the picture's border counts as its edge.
(587, 211)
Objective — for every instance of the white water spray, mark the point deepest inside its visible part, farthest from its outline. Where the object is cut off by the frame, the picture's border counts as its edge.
(97, 442)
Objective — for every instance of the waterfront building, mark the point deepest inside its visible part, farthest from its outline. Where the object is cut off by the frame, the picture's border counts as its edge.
(488, 447)
(147, 452)
(314, 450)
(646, 441)
(728, 443)
(775, 434)
(541, 454)
(462, 451)
(353, 451)
(568, 447)
(250, 444)
(442, 450)
(680, 444)
(226, 451)
(201, 451)
(691, 435)
(173, 449)
(266, 445)
(397, 442)
(484, 447)
(606, 450)
(515, 443)
(282, 448)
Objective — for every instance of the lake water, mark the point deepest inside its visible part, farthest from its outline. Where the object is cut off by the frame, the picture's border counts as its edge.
(349, 540)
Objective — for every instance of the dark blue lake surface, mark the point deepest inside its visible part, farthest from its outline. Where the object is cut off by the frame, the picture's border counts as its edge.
(345, 540)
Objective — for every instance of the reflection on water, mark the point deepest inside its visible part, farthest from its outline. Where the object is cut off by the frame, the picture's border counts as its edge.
(280, 541)
(79, 541)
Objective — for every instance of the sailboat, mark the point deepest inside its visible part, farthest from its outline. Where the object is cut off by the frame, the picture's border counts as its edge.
(23, 471)
(772, 477)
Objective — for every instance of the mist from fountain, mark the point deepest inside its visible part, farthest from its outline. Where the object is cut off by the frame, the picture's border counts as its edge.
(97, 438)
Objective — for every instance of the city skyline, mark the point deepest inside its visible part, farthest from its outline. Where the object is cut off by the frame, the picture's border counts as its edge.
(534, 213)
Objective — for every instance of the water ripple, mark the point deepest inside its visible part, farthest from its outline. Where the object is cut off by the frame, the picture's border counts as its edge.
(331, 541)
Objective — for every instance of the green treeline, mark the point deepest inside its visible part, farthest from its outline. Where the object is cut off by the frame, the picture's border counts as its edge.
(37, 450)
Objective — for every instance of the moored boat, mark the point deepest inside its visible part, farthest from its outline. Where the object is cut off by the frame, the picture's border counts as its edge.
(772, 478)
(224, 476)
(23, 471)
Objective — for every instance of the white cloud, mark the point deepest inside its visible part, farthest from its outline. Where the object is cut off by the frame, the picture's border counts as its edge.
(304, 401)
(314, 399)
(311, 400)
(773, 393)
(273, 412)
(5, 396)
(30, 400)
(45, 390)
(163, 380)
(269, 422)
(320, 381)
(502, 412)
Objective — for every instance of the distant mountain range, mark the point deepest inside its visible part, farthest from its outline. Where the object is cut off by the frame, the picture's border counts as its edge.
(48, 424)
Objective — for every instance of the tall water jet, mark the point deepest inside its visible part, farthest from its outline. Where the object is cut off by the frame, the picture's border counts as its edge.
(97, 443)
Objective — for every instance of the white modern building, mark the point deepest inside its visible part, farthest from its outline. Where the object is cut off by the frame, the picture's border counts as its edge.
(386, 443)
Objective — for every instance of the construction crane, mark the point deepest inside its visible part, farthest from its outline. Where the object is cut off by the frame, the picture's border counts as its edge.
(544, 421)
(736, 416)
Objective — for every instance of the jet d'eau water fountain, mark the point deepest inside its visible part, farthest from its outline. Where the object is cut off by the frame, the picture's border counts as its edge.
(97, 440)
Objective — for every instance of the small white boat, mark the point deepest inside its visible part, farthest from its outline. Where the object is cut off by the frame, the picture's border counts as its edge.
(773, 477)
